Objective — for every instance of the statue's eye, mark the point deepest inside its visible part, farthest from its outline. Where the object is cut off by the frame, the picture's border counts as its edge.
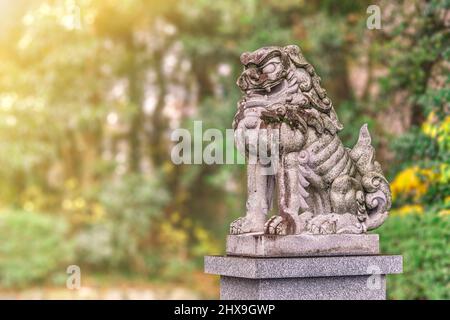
(268, 68)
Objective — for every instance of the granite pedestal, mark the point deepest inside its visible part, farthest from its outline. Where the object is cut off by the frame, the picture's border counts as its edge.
(259, 273)
(302, 245)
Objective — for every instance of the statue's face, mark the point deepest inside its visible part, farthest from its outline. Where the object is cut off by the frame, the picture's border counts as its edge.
(264, 72)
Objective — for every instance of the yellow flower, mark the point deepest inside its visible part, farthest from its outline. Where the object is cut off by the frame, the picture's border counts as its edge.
(447, 199)
(407, 182)
(429, 127)
(444, 212)
(437, 129)
(414, 181)
(408, 209)
(429, 130)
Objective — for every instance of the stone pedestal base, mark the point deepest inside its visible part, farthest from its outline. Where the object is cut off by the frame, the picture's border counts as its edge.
(301, 278)
(302, 245)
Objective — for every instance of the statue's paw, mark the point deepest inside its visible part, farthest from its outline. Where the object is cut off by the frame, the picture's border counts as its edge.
(276, 225)
(246, 225)
(323, 224)
(236, 226)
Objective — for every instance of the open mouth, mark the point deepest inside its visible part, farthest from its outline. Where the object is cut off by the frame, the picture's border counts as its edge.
(269, 90)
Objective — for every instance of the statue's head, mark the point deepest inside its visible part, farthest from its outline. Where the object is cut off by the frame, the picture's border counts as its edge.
(265, 68)
(273, 73)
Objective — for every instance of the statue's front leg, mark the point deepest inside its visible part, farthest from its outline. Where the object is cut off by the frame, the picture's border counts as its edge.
(291, 198)
(291, 185)
(259, 194)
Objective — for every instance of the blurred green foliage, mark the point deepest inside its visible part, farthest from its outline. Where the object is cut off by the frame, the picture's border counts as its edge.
(419, 228)
(423, 240)
(22, 236)
(90, 91)
(131, 206)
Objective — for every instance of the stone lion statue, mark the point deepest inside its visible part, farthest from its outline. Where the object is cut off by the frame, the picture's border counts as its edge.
(321, 186)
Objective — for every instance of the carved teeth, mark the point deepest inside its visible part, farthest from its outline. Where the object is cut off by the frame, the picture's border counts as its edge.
(268, 89)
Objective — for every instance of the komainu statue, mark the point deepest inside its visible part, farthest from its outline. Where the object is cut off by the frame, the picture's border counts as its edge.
(321, 187)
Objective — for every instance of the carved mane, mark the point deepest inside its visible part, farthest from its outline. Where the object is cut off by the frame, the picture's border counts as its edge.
(318, 113)
(317, 96)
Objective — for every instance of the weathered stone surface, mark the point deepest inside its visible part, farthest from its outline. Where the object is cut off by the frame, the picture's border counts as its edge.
(287, 128)
(260, 245)
(299, 278)
(325, 288)
(328, 195)
(302, 267)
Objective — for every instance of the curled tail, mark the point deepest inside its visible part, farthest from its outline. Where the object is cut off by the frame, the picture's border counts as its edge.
(377, 194)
